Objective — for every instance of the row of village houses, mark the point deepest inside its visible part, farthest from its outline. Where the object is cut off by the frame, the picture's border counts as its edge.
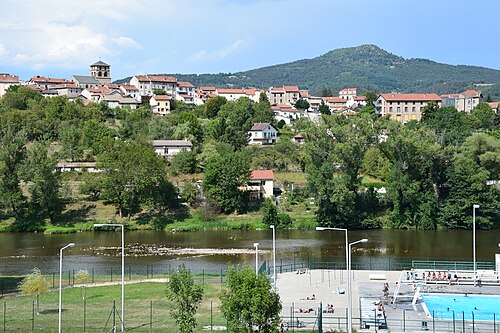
(98, 88)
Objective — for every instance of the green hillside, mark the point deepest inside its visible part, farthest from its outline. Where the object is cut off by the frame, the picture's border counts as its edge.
(367, 67)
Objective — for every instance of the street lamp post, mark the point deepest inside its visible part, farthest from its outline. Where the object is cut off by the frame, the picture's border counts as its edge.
(256, 245)
(474, 207)
(346, 241)
(274, 255)
(349, 286)
(60, 283)
(99, 225)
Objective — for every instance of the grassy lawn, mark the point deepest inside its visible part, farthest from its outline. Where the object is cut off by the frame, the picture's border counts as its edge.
(146, 306)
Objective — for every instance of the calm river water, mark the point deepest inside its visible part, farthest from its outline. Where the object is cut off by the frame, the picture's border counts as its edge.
(213, 250)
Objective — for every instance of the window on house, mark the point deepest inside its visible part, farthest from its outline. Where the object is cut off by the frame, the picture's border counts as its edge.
(406, 109)
(390, 108)
(399, 109)
(413, 109)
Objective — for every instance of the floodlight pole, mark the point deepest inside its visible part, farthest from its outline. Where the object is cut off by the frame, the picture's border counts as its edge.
(349, 286)
(474, 207)
(98, 225)
(274, 255)
(60, 284)
(256, 245)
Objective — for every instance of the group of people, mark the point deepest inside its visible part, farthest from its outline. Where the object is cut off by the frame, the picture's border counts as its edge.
(386, 290)
(444, 276)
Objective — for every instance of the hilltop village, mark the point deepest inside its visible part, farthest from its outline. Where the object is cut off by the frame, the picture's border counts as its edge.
(305, 160)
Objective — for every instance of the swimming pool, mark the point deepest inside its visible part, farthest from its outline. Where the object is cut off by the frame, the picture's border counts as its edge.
(442, 306)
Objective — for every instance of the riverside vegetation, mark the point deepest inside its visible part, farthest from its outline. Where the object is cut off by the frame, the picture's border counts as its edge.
(433, 171)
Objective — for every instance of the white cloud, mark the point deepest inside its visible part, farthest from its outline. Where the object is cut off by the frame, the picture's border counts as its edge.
(217, 55)
(127, 42)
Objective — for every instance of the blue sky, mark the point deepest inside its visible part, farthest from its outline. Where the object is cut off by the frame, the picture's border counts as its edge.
(59, 38)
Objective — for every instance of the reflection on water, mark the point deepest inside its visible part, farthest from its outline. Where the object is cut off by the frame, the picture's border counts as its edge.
(211, 250)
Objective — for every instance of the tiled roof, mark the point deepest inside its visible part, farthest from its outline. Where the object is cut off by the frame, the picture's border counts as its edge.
(100, 63)
(334, 100)
(411, 97)
(360, 98)
(230, 91)
(291, 88)
(129, 87)
(172, 143)
(208, 88)
(262, 174)
(41, 79)
(162, 97)
(259, 126)
(493, 105)
(156, 78)
(185, 84)
(281, 90)
(471, 93)
(84, 79)
(450, 96)
(67, 85)
(7, 78)
(345, 90)
(304, 93)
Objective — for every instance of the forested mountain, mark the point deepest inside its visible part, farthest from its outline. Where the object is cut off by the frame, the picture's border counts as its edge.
(367, 67)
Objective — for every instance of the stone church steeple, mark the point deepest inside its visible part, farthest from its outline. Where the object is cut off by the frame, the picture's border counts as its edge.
(101, 71)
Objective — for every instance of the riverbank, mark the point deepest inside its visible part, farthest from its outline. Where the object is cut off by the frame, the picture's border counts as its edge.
(81, 216)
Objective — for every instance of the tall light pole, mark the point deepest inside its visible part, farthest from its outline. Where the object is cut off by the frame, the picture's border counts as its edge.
(256, 245)
(474, 207)
(346, 242)
(274, 255)
(60, 283)
(349, 286)
(99, 225)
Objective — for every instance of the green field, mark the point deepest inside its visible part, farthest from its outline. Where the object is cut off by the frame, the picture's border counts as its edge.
(146, 310)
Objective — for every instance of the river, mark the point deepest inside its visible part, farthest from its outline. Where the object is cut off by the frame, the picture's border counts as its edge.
(212, 250)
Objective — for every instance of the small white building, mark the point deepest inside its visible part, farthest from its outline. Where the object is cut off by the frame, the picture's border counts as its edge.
(7, 80)
(261, 184)
(131, 91)
(147, 84)
(285, 112)
(262, 134)
(169, 148)
(77, 166)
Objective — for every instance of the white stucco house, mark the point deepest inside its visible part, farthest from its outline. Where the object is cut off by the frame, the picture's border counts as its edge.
(261, 184)
(262, 134)
(168, 148)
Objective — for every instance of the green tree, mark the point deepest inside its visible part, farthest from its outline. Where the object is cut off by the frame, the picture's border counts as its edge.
(97, 136)
(302, 104)
(263, 111)
(184, 163)
(134, 175)
(483, 117)
(248, 303)
(20, 98)
(450, 126)
(376, 164)
(477, 162)
(213, 106)
(411, 182)
(324, 109)
(186, 296)
(70, 138)
(45, 184)
(82, 277)
(269, 213)
(34, 284)
(335, 152)
(225, 175)
(12, 155)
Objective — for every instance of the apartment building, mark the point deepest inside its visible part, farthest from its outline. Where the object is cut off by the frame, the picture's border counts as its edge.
(404, 107)
(465, 101)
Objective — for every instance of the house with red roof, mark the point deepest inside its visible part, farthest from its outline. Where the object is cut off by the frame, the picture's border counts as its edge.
(465, 101)
(348, 93)
(262, 134)
(494, 106)
(45, 83)
(160, 104)
(336, 104)
(285, 112)
(130, 91)
(185, 92)
(7, 80)
(404, 107)
(147, 84)
(260, 184)
(284, 95)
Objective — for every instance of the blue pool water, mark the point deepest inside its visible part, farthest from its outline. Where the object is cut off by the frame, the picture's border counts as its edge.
(442, 306)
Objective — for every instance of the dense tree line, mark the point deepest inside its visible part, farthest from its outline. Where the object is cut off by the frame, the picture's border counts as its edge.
(432, 171)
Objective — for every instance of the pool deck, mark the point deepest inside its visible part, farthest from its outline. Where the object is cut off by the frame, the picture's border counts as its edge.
(295, 287)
